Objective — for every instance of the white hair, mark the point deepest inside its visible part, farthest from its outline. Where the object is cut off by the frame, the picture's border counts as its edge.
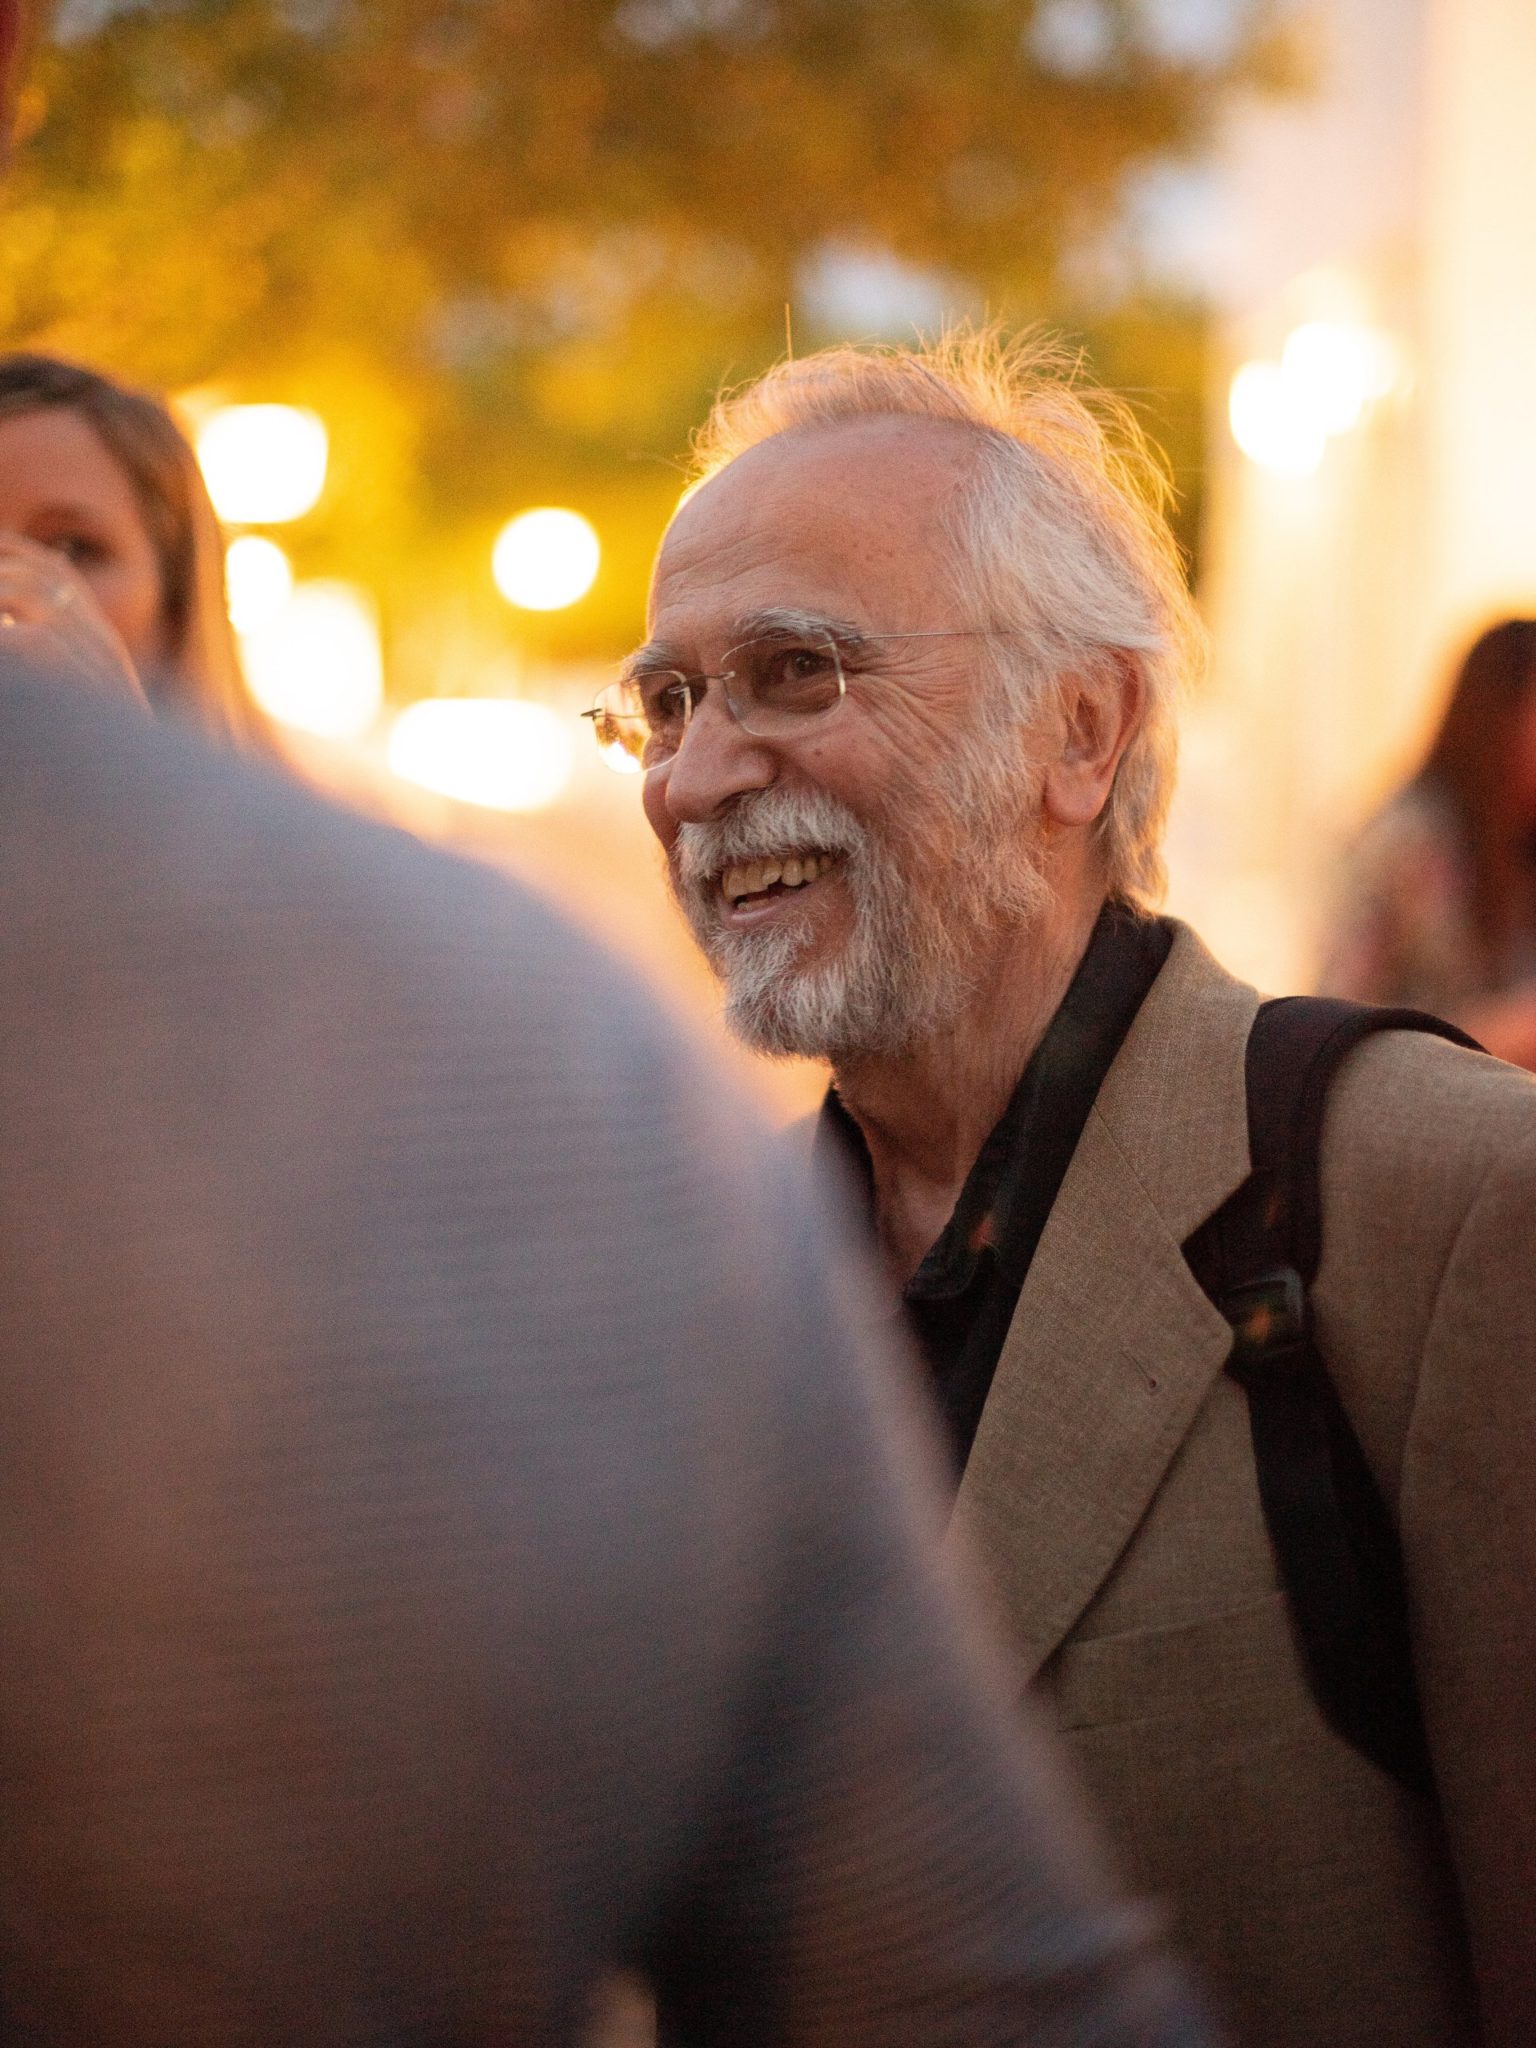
(1059, 535)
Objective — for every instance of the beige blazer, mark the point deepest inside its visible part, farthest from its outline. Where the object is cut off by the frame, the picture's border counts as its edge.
(1112, 1496)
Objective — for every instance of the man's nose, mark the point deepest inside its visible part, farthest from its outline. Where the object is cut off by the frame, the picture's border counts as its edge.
(717, 761)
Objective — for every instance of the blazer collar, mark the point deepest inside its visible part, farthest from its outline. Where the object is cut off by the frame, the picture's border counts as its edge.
(1176, 1099)
(1113, 1346)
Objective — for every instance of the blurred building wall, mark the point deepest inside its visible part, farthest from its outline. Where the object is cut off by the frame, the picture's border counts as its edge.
(1479, 305)
(1398, 196)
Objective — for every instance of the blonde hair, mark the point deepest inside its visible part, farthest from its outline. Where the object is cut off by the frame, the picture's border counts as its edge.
(1060, 534)
(201, 678)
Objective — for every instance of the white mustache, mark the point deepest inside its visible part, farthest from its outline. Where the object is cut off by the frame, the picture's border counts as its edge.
(764, 823)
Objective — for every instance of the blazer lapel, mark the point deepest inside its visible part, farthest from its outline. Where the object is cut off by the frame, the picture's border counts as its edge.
(1113, 1346)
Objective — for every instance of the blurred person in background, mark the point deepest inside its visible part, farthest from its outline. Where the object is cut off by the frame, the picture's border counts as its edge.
(47, 611)
(46, 607)
(1437, 902)
(100, 477)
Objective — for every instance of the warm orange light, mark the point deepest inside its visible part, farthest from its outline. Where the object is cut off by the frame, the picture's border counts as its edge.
(504, 754)
(1336, 368)
(546, 559)
(1272, 424)
(258, 578)
(1284, 414)
(317, 664)
(264, 464)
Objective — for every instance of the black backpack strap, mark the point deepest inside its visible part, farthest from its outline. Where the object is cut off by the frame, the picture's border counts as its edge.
(1335, 1543)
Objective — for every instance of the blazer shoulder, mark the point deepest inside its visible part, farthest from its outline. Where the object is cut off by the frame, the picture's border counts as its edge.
(1419, 1116)
(1416, 1130)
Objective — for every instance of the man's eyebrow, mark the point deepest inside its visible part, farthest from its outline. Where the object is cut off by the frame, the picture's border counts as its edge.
(770, 622)
(653, 655)
(776, 621)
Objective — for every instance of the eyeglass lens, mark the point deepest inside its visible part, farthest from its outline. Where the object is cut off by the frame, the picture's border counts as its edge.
(771, 685)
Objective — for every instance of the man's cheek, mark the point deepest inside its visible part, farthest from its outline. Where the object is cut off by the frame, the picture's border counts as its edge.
(653, 801)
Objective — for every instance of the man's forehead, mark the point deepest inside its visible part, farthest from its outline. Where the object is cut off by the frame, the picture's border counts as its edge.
(817, 512)
(928, 455)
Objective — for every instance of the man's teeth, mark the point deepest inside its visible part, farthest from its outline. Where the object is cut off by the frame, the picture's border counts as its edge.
(754, 876)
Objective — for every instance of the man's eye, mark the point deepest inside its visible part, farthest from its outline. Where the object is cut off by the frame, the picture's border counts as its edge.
(800, 677)
(794, 664)
(664, 699)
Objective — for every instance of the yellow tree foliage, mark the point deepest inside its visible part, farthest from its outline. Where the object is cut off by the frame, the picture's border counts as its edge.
(510, 247)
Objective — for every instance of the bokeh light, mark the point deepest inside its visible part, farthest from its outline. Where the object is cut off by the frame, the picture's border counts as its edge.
(258, 578)
(317, 664)
(504, 754)
(546, 559)
(619, 758)
(264, 464)
(1336, 368)
(1330, 372)
(1272, 423)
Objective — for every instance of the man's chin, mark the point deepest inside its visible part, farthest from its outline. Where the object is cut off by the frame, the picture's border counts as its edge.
(778, 999)
(795, 990)
(820, 1012)
(773, 949)
(783, 1023)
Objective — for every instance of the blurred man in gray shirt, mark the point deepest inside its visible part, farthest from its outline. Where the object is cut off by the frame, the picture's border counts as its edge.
(452, 1543)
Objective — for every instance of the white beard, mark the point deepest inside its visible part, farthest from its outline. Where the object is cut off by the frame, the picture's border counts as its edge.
(923, 916)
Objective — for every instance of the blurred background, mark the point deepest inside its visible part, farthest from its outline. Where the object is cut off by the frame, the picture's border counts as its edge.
(441, 288)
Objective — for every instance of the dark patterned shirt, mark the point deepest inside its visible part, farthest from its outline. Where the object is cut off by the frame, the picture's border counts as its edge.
(960, 1301)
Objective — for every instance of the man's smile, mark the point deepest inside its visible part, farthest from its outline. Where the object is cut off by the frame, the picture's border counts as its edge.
(748, 889)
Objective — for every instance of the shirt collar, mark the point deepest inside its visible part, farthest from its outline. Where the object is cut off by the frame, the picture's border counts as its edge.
(992, 1220)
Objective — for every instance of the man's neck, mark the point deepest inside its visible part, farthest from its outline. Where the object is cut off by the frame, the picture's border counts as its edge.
(926, 1112)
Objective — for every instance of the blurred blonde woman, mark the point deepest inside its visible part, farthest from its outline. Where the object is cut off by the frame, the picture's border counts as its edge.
(100, 476)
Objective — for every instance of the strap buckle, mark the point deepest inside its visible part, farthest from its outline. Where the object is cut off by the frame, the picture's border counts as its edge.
(1268, 1316)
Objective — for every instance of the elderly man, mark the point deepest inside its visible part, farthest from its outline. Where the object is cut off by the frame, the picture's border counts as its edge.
(906, 709)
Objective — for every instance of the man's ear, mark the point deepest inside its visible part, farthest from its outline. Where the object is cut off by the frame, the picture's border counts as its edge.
(1101, 712)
